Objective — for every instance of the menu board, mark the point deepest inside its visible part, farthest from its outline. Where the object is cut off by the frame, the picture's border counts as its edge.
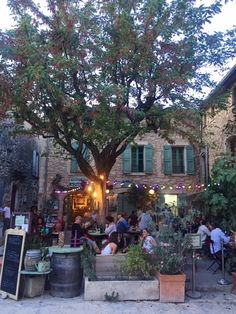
(22, 220)
(12, 262)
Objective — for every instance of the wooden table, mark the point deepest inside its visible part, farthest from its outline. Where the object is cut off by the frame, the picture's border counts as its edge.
(133, 235)
(97, 236)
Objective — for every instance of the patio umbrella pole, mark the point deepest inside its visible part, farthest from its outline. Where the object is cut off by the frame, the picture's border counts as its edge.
(223, 281)
(193, 293)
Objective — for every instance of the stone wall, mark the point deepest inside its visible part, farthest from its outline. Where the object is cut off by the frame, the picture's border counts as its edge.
(55, 164)
(215, 136)
(16, 180)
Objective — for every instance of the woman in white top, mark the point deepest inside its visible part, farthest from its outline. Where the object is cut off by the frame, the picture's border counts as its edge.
(110, 226)
(148, 242)
(203, 231)
(111, 247)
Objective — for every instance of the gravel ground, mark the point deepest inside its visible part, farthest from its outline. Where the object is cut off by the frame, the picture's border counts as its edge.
(209, 303)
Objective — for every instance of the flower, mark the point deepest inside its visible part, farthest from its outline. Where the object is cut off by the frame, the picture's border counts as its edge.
(169, 255)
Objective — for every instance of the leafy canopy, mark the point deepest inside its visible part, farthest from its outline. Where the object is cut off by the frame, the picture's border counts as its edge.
(94, 71)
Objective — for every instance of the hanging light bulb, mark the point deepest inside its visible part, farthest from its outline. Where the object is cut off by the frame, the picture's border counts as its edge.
(151, 192)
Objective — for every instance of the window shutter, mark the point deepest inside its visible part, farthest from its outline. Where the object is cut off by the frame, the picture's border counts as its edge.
(148, 158)
(167, 160)
(127, 160)
(74, 167)
(85, 152)
(190, 160)
(73, 164)
(35, 164)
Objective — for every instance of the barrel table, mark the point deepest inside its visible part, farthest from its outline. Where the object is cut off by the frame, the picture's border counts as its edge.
(66, 275)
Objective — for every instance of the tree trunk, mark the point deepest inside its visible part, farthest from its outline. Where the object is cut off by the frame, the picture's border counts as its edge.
(100, 200)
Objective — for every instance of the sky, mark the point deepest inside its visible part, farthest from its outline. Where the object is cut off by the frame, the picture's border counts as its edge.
(224, 20)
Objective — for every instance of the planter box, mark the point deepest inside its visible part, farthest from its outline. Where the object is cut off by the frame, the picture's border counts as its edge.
(108, 266)
(33, 286)
(172, 288)
(127, 289)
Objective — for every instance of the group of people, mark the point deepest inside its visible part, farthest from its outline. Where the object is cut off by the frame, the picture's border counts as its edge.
(114, 232)
(212, 238)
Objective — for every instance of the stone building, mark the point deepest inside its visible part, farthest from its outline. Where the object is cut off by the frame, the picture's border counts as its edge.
(171, 171)
(19, 161)
(219, 126)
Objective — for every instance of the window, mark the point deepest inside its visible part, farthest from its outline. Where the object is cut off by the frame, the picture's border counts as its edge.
(35, 164)
(138, 159)
(179, 160)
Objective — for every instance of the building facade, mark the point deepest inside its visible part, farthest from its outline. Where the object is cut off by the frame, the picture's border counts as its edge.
(19, 168)
(219, 125)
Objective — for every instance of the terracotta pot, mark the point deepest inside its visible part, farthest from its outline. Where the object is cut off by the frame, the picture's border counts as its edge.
(172, 288)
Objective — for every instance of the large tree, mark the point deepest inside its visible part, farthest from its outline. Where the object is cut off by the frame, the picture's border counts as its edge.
(100, 72)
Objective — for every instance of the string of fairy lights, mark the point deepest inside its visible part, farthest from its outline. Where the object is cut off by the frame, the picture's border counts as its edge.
(154, 188)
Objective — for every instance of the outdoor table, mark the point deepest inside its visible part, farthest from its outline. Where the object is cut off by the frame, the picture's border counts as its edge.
(132, 235)
(97, 236)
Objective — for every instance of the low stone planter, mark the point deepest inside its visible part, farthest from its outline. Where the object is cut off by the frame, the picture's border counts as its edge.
(127, 289)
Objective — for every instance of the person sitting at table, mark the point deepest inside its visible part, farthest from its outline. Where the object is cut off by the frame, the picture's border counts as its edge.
(112, 245)
(110, 226)
(133, 219)
(78, 236)
(148, 242)
(217, 236)
(144, 220)
(205, 234)
(122, 225)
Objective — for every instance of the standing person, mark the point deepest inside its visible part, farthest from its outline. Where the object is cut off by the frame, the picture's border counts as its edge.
(144, 220)
(6, 210)
(34, 219)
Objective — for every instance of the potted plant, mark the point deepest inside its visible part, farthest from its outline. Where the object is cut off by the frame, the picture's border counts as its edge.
(169, 258)
(131, 281)
(138, 264)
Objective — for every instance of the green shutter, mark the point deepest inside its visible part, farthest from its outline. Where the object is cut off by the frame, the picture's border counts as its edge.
(73, 165)
(190, 160)
(85, 152)
(167, 159)
(127, 160)
(148, 158)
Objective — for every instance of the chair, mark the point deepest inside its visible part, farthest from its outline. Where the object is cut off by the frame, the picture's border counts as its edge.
(216, 259)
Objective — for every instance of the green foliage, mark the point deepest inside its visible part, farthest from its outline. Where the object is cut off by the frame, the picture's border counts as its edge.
(87, 262)
(169, 254)
(220, 196)
(141, 197)
(138, 263)
(101, 72)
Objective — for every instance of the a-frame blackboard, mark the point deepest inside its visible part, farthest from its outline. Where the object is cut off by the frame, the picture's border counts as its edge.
(12, 262)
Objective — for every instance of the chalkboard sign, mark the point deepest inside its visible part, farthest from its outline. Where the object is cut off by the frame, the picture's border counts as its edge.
(12, 262)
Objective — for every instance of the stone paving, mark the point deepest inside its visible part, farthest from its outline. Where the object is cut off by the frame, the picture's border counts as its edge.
(215, 299)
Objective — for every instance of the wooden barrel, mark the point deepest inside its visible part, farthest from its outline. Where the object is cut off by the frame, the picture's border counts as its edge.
(66, 275)
(32, 257)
